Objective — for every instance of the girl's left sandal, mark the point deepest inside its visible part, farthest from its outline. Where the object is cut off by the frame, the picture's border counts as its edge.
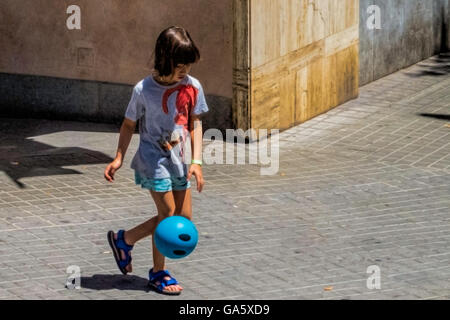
(116, 246)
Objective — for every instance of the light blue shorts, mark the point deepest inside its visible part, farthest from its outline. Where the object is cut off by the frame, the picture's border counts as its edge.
(162, 185)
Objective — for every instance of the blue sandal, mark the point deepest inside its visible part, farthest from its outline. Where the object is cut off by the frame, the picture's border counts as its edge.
(116, 246)
(159, 277)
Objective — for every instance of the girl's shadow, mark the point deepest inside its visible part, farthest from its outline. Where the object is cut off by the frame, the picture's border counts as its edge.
(120, 282)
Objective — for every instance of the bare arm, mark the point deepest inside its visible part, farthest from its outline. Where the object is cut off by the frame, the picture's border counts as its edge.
(196, 137)
(126, 133)
(196, 147)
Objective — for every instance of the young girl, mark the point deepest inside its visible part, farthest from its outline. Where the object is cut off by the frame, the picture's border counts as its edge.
(168, 104)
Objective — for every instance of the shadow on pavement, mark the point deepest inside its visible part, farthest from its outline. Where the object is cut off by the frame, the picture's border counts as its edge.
(435, 66)
(120, 282)
(21, 156)
(436, 116)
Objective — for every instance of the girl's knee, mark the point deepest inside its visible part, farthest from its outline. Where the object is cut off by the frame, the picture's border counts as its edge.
(167, 212)
(186, 214)
(164, 204)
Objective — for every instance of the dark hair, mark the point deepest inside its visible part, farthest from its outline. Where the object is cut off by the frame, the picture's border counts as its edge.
(174, 46)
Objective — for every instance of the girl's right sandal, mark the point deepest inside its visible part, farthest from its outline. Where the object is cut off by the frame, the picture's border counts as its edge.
(159, 276)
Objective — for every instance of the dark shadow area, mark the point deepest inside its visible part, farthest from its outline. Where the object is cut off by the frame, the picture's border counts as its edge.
(44, 97)
(436, 116)
(435, 66)
(438, 65)
(444, 32)
(21, 156)
(239, 137)
(110, 282)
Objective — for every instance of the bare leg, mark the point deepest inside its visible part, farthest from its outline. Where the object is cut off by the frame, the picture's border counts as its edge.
(166, 207)
(183, 203)
(134, 235)
(141, 231)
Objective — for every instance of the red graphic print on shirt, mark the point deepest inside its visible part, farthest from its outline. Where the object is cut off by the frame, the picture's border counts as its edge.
(185, 101)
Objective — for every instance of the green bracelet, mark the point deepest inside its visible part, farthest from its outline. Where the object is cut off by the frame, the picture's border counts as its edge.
(199, 162)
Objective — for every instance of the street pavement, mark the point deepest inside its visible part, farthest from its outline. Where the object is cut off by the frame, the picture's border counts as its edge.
(362, 188)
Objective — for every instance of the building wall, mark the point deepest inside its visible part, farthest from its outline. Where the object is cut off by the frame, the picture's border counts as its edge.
(411, 31)
(302, 60)
(110, 53)
(280, 62)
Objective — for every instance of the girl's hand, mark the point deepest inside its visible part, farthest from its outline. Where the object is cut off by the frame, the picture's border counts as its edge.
(196, 170)
(111, 169)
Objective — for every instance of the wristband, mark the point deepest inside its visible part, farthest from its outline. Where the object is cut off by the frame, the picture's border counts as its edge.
(199, 162)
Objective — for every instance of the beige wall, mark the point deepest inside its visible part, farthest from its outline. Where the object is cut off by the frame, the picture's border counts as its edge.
(116, 39)
(300, 60)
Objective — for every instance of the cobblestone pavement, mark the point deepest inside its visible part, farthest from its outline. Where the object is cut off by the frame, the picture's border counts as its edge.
(365, 184)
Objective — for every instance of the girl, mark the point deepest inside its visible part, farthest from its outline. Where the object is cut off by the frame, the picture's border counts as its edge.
(168, 104)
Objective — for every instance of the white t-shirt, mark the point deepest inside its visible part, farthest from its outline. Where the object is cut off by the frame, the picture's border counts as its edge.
(164, 112)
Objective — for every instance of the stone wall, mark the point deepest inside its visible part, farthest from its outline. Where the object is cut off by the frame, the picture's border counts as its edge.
(411, 31)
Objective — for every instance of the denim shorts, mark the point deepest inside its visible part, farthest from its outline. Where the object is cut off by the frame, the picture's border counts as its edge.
(162, 185)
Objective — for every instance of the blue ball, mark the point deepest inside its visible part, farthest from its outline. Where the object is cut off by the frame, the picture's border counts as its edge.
(176, 237)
